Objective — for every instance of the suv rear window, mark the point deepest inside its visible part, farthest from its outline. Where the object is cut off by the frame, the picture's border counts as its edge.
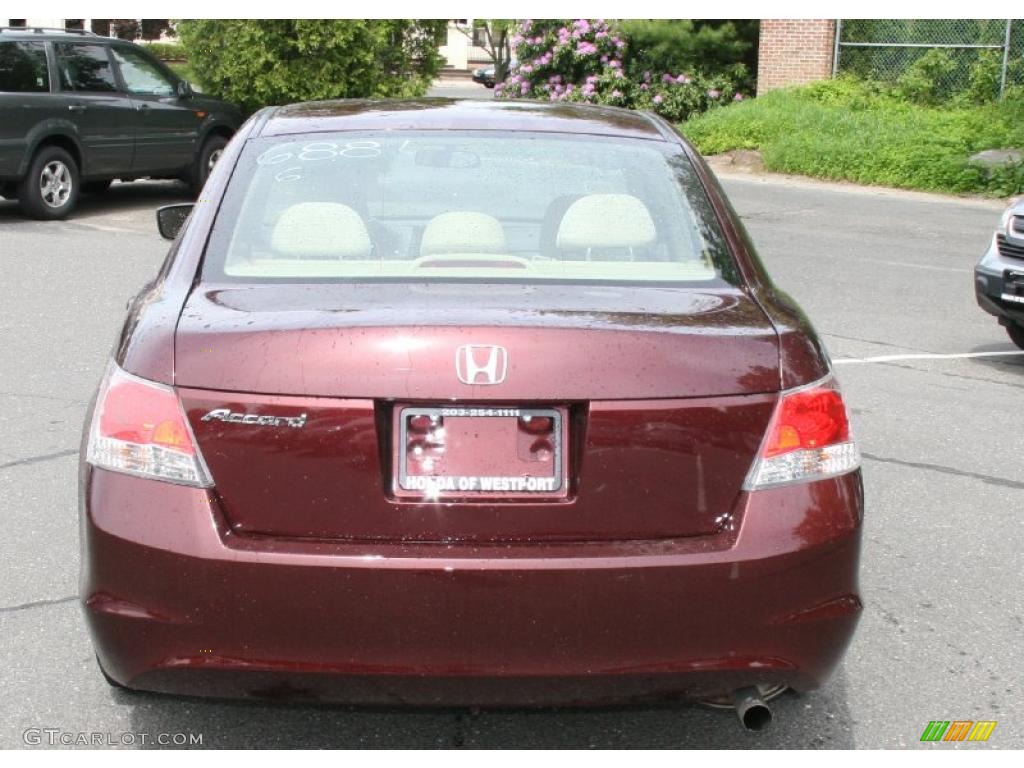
(23, 68)
(459, 205)
(85, 67)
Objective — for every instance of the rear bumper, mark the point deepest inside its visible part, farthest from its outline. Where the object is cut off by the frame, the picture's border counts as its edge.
(176, 603)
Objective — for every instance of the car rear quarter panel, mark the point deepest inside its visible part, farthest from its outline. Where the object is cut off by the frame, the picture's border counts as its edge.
(802, 355)
(146, 343)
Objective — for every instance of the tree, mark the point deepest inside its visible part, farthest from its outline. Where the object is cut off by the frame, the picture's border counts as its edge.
(152, 29)
(125, 29)
(131, 29)
(496, 36)
(706, 46)
(274, 61)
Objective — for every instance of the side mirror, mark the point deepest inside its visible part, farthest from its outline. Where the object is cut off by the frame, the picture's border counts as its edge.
(185, 89)
(170, 219)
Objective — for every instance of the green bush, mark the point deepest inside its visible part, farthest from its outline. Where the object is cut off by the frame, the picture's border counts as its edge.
(701, 47)
(848, 92)
(256, 62)
(929, 80)
(938, 77)
(167, 51)
(985, 76)
(847, 129)
(554, 57)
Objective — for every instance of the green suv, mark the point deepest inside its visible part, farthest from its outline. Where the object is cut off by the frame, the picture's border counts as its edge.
(78, 110)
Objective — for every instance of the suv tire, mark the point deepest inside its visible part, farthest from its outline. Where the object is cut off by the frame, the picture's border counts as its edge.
(50, 188)
(1016, 334)
(208, 156)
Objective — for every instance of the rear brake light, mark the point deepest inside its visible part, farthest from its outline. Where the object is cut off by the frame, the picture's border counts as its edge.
(139, 428)
(808, 439)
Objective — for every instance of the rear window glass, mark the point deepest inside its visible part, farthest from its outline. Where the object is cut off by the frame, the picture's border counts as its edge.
(23, 68)
(84, 68)
(465, 206)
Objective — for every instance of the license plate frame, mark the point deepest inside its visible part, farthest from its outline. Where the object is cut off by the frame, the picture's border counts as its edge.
(405, 488)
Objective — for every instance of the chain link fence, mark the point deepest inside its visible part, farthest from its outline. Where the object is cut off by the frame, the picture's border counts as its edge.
(984, 56)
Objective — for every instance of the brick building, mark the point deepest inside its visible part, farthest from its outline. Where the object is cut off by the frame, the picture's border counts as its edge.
(794, 52)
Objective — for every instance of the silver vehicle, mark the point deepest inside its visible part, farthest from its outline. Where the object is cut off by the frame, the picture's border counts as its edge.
(999, 276)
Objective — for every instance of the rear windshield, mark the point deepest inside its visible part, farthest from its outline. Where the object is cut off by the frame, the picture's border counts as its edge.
(455, 206)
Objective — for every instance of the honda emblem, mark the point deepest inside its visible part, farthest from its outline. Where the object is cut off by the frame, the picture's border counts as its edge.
(481, 363)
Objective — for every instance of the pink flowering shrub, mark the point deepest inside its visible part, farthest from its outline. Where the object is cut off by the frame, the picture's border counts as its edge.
(584, 60)
(555, 58)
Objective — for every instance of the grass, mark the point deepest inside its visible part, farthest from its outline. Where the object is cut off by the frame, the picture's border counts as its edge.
(850, 130)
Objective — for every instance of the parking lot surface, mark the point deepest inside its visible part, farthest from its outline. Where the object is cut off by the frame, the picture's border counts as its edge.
(886, 278)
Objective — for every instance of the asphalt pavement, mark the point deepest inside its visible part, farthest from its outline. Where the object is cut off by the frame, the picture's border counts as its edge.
(460, 88)
(885, 276)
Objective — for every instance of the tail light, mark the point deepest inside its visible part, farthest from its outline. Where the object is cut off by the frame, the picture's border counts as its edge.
(139, 428)
(808, 439)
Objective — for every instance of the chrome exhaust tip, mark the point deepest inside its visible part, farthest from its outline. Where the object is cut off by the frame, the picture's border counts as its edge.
(751, 709)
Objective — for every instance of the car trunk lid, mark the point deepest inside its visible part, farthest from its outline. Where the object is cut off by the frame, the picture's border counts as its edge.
(662, 397)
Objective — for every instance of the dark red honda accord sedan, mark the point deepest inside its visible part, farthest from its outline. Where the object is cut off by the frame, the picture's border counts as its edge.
(468, 403)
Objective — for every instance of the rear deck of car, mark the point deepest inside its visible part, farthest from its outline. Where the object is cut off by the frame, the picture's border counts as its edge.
(439, 114)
